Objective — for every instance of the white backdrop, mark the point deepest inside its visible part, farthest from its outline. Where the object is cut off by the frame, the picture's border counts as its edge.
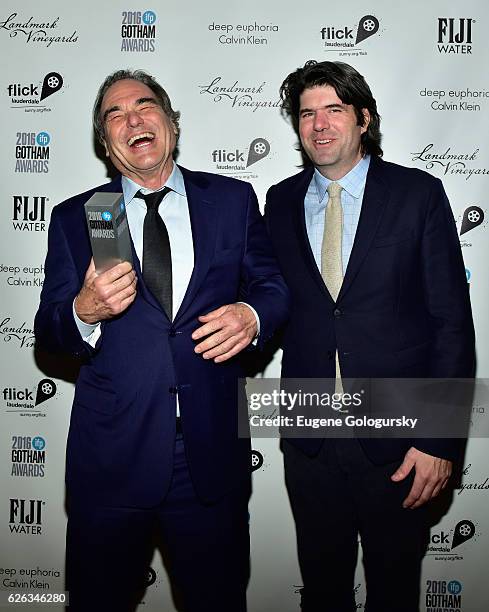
(222, 63)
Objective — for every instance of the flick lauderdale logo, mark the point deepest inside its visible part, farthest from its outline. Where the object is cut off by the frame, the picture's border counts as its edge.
(348, 37)
(32, 96)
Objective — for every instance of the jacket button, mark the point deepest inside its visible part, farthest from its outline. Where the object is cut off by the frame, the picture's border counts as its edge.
(172, 333)
(173, 390)
(337, 312)
(330, 354)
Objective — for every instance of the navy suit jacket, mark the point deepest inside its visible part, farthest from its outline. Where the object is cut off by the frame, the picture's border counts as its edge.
(122, 430)
(403, 310)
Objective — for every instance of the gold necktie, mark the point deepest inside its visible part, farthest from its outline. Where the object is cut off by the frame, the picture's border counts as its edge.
(331, 254)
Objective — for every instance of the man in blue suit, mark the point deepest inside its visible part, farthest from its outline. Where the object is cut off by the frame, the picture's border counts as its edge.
(153, 443)
(370, 253)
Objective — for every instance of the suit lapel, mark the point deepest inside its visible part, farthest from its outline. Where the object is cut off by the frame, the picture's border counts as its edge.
(297, 197)
(375, 199)
(203, 220)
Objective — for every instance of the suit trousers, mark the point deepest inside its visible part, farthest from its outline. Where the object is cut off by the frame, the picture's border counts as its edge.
(205, 546)
(337, 498)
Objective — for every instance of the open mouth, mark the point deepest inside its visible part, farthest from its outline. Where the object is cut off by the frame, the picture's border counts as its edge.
(323, 141)
(140, 140)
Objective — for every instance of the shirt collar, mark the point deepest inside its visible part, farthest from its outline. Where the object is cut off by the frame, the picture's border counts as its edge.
(174, 182)
(353, 182)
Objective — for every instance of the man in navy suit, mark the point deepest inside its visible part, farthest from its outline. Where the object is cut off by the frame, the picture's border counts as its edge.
(153, 443)
(370, 253)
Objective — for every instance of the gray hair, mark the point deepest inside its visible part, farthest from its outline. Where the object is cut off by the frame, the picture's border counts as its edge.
(136, 75)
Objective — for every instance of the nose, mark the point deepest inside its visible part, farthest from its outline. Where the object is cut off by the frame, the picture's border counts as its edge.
(321, 121)
(133, 118)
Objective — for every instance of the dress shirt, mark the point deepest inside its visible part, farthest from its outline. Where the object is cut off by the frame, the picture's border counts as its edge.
(175, 213)
(316, 201)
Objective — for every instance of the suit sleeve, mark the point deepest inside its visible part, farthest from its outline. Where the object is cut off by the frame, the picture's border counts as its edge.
(263, 286)
(447, 300)
(54, 326)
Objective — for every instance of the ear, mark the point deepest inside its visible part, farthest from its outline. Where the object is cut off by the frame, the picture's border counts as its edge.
(106, 149)
(366, 120)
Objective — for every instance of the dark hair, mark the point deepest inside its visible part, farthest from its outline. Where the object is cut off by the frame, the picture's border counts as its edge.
(136, 75)
(350, 87)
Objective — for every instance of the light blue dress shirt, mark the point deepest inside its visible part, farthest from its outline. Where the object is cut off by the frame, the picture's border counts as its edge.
(316, 201)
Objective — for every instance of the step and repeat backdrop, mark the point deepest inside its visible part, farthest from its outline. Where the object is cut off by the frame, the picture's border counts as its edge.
(222, 63)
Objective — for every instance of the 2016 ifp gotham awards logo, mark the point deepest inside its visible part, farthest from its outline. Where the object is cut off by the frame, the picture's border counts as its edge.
(28, 96)
(138, 31)
(28, 456)
(346, 38)
(443, 595)
(32, 152)
(455, 35)
(25, 401)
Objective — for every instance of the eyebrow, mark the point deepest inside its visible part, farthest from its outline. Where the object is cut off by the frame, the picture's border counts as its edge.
(139, 101)
(328, 106)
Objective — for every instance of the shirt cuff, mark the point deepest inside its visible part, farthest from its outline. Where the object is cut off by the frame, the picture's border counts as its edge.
(90, 332)
(255, 339)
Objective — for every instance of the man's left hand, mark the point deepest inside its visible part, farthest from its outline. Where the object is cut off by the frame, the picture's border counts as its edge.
(227, 331)
(432, 474)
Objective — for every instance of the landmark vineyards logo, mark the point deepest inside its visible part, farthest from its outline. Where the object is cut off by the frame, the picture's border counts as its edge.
(37, 31)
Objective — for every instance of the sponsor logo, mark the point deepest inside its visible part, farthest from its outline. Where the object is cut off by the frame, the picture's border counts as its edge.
(25, 516)
(238, 94)
(443, 595)
(22, 276)
(25, 401)
(256, 460)
(236, 161)
(34, 30)
(29, 578)
(32, 152)
(29, 213)
(449, 162)
(455, 35)
(443, 543)
(29, 96)
(346, 39)
(28, 456)
(472, 217)
(138, 31)
(479, 485)
(243, 33)
(15, 334)
(454, 100)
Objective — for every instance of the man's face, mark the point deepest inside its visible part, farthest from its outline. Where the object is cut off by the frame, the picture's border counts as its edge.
(139, 137)
(329, 132)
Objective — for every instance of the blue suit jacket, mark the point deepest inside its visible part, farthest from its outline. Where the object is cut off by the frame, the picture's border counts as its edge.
(403, 310)
(122, 430)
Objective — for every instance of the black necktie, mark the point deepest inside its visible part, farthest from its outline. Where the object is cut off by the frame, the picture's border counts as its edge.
(157, 271)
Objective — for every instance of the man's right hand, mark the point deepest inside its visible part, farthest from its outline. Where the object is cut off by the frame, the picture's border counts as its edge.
(106, 295)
